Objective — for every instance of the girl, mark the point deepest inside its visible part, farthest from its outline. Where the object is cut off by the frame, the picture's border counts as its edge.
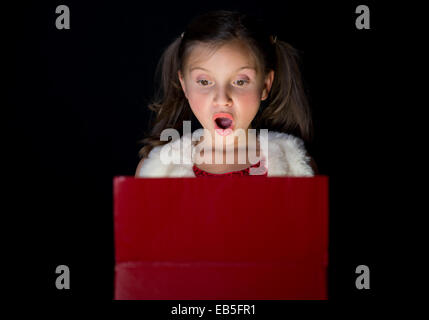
(229, 73)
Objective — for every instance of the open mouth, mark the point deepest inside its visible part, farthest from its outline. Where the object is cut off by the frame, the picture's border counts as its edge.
(223, 123)
(223, 120)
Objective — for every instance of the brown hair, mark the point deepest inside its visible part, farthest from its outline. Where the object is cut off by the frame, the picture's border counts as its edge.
(286, 108)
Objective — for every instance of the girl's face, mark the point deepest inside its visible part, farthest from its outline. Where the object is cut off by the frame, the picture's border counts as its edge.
(225, 85)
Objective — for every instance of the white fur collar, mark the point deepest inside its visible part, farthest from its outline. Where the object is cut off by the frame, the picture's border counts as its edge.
(286, 156)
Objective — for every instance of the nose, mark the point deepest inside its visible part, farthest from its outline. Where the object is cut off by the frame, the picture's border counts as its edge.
(222, 97)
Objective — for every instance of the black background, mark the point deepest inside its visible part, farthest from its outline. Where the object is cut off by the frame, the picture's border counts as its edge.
(77, 107)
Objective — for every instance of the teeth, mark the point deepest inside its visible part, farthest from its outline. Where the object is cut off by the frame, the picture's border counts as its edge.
(223, 123)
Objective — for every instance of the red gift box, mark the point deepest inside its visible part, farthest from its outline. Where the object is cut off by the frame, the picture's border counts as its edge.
(236, 237)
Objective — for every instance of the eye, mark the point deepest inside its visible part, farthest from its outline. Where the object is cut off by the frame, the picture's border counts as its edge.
(204, 83)
(241, 82)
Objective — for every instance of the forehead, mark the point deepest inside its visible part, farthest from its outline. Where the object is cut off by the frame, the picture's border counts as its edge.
(232, 55)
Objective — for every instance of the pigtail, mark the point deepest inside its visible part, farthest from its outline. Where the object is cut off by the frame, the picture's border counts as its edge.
(287, 106)
(169, 105)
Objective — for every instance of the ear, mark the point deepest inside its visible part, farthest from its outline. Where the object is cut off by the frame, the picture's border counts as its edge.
(182, 82)
(268, 82)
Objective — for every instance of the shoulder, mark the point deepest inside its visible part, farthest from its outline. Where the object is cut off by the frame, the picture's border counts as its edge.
(139, 166)
(139, 170)
(288, 155)
(172, 159)
(151, 166)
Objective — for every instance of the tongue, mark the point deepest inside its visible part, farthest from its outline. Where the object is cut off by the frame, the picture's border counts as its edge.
(223, 122)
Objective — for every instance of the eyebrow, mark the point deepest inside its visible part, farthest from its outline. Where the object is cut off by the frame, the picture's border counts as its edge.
(245, 67)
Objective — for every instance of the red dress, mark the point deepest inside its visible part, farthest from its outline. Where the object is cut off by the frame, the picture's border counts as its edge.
(244, 172)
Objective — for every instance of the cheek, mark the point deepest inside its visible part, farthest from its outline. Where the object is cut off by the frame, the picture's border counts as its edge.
(197, 102)
(199, 106)
(251, 98)
(249, 105)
